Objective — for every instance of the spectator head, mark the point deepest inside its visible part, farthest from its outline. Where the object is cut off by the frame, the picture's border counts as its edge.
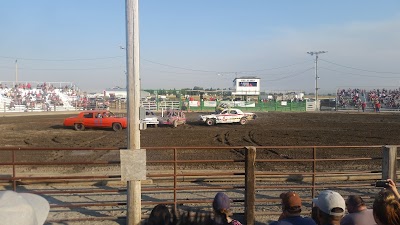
(222, 204)
(22, 208)
(331, 207)
(160, 215)
(355, 203)
(291, 202)
(386, 208)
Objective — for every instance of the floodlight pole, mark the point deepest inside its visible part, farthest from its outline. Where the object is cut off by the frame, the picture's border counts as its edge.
(134, 205)
(316, 75)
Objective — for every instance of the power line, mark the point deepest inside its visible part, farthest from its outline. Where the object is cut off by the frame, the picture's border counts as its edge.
(60, 60)
(349, 67)
(183, 68)
(274, 68)
(97, 68)
(355, 74)
(147, 60)
(290, 76)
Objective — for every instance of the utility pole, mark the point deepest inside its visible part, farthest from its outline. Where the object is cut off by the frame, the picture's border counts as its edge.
(316, 75)
(133, 89)
(16, 71)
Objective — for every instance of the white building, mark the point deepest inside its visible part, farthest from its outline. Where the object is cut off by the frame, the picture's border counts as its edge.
(246, 86)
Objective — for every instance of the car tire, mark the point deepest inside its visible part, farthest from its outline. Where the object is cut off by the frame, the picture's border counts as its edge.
(79, 127)
(117, 126)
(175, 123)
(243, 121)
(210, 122)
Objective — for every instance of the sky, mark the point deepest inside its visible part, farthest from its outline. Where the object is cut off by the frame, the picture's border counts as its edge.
(207, 43)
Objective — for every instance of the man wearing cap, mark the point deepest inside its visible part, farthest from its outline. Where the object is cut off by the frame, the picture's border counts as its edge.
(291, 209)
(358, 212)
(330, 208)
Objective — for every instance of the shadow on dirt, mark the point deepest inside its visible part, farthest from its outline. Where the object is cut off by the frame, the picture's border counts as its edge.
(58, 127)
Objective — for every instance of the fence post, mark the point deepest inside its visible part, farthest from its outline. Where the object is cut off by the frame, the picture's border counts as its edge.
(249, 199)
(389, 161)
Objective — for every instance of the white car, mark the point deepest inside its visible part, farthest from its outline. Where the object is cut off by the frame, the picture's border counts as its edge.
(151, 118)
(227, 116)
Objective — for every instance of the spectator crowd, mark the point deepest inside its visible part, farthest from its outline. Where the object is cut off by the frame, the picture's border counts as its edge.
(329, 208)
(376, 98)
(41, 96)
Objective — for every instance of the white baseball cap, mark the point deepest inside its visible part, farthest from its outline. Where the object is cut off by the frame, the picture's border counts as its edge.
(22, 208)
(328, 200)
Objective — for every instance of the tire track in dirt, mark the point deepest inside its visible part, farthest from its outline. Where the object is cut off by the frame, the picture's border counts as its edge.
(223, 138)
(249, 138)
(55, 140)
(84, 144)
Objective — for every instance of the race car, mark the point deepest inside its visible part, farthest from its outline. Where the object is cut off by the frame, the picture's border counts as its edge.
(96, 119)
(173, 118)
(151, 118)
(227, 116)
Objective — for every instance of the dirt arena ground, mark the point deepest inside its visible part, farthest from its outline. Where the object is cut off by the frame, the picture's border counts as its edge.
(276, 129)
(269, 129)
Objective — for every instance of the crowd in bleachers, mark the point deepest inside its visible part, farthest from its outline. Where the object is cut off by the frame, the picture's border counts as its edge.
(329, 208)
(385, 98)
(39, 96)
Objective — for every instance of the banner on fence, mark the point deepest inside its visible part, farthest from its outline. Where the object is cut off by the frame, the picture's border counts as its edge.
(210, 103)
(244, 104)
(194, 103)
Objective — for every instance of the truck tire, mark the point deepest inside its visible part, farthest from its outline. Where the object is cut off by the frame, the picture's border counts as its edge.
(210, 122)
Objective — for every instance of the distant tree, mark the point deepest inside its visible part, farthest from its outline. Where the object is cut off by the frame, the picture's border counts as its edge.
(149, 90)
(184, 91)
(197, 88)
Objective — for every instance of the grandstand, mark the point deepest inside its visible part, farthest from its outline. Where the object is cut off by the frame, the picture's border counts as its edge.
(36, 96)
(352, 98)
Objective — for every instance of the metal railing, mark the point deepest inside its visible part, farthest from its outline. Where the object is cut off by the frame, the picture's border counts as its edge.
(190, 176)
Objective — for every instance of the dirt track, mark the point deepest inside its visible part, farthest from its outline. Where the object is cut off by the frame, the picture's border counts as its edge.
(281, 129)
(269, 129)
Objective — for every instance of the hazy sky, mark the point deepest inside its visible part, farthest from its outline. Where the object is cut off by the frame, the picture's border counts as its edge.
(206, 43)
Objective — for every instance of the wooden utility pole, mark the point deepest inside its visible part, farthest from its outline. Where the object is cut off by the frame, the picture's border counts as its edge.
(133, 89)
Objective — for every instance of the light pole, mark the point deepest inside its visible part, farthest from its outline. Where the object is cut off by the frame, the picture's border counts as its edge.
(316, 75)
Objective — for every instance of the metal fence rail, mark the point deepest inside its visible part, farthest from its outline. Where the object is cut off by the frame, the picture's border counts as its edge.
(252, 176)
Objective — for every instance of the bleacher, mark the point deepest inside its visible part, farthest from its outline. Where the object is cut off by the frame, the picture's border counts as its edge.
(43, 97)
(353, 98)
